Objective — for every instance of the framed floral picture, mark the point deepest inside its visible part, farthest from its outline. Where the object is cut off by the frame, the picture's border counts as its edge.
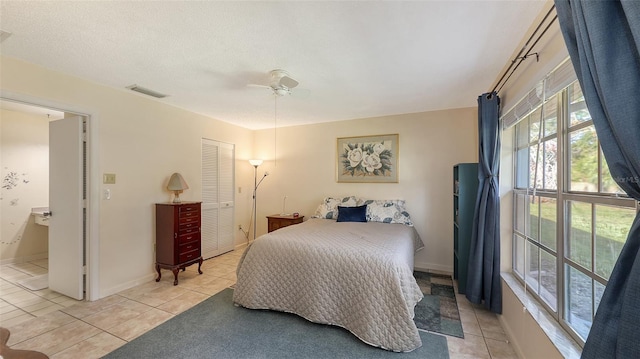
(368, 159)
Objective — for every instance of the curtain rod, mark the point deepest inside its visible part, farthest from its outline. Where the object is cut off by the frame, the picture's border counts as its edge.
(528, 53)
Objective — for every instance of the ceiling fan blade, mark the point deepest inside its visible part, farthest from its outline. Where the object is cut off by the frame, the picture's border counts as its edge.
(288, 82)
(301, 93)
(260, 86)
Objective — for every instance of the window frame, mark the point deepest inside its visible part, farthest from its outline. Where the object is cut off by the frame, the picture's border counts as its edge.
(563, 196)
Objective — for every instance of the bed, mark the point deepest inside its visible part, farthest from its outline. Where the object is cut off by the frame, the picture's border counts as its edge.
(356, 275)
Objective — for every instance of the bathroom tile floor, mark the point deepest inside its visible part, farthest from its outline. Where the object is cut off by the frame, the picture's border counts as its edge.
(62, 327)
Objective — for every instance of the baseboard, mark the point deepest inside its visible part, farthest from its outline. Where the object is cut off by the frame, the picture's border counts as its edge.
(430, 267)
(240, 247)
(33, 257)
(130, 284)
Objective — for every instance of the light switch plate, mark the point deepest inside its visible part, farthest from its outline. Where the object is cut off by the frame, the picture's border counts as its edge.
(109, 178)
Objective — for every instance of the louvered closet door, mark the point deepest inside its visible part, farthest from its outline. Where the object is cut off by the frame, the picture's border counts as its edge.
(217, 197)
(226, 193)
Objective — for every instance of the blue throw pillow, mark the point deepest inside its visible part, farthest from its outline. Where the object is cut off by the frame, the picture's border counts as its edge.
(352, 214)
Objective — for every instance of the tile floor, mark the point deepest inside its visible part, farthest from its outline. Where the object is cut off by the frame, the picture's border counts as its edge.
(62, 327)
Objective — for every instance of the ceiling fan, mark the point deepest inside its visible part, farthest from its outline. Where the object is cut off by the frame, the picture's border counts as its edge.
(280, 82)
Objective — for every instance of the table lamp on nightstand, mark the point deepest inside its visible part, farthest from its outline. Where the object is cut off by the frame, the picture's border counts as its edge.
(284, 205)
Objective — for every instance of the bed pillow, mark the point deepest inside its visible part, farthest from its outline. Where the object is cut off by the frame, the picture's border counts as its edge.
(352, 214)
(384, 202)
(388, 213)
(328, 209)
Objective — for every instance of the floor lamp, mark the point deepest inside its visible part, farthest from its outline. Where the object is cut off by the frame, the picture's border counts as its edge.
(255, 164)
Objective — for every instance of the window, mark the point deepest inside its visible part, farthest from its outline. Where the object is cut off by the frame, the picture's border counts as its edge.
(570, 218)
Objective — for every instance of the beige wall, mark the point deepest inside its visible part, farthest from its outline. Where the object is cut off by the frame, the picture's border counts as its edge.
(430, 144)
(24, 152)
(142, 141)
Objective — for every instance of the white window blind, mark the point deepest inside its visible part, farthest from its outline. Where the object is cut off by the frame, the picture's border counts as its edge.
(562, 76)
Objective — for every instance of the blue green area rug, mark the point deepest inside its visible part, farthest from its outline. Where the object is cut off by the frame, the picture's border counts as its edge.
(217, 329)
(438, 310)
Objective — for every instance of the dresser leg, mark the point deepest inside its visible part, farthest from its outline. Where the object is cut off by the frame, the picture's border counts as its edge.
(159, 275)
(200, 265)
(175, 275)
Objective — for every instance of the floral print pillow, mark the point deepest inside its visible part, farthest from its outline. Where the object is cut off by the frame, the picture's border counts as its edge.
(388, 211)
(328, 209)
(382, 202)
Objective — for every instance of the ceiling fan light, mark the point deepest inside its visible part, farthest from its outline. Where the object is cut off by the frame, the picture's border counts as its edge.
(280, 91)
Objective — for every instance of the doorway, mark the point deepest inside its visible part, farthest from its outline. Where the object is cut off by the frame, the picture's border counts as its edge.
(58, 264)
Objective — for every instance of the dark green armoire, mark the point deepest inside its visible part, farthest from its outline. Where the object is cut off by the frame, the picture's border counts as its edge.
(465, 192)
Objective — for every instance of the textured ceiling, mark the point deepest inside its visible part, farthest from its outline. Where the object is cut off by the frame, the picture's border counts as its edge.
(352, 59)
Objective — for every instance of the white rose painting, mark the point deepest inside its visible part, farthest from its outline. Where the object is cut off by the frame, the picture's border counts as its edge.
(368, 159)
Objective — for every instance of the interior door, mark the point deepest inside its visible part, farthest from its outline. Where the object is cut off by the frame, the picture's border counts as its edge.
(66, 242)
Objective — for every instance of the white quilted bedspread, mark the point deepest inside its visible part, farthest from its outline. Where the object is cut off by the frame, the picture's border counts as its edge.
(358, 276)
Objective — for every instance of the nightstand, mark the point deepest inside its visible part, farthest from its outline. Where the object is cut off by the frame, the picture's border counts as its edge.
(276, 221)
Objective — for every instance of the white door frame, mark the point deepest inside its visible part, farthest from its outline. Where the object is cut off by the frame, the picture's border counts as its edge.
(92, 241)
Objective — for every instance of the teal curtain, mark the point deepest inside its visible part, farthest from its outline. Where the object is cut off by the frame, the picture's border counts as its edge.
(603, 39)
(483, 276)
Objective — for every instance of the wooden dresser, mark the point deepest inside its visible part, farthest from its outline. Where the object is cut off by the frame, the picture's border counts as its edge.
(276, 221)
(177, 237)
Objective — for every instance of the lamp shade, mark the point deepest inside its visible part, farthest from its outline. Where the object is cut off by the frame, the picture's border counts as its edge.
(177, 183)
(255, 163)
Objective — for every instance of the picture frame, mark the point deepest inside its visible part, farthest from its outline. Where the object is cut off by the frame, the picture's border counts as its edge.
(367, 159)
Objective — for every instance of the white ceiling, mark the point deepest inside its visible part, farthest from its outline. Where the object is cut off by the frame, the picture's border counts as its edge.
(352, 59)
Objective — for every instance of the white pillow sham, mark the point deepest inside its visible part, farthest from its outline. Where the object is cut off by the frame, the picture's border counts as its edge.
(328, 209)
(388, 211)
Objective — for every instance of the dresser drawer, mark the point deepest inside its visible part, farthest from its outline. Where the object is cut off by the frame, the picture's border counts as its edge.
(189, 237)
(191, 207)
(188, 219)
(185, 216)
(187, 256)
(275, 221)
(188, 228)
(188, 247)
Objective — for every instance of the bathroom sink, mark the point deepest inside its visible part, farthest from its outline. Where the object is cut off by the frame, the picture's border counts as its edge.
(41, 215)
